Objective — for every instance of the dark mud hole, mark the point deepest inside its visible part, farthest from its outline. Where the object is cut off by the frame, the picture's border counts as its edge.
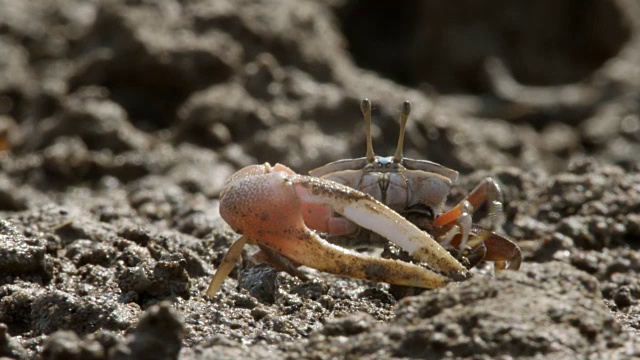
(120, 120)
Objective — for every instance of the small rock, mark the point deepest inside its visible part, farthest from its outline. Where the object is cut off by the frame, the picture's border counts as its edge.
(10, 347)
(377, 294)
(261, 282)
(622, 297)
(158, 335)
(66, 345)
(22, 256)
(310, 290)
(351, 324)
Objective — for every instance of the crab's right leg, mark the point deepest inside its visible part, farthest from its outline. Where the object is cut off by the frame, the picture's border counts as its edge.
(488, 191)
(502, 251)
(268, 208)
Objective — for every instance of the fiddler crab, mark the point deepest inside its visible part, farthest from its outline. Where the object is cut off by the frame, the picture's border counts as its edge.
(399, 199)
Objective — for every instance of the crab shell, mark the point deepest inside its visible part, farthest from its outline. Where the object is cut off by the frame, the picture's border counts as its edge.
(400, 185)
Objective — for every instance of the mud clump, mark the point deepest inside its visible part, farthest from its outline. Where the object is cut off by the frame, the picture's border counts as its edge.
(22, 257)
(157, 336)
(559, 318)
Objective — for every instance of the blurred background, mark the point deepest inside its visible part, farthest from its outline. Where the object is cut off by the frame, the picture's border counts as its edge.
(507, 83)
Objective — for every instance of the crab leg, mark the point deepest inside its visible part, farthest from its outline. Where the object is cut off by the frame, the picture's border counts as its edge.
(504, 253)
(464, 223)
(487, 191)
(267, 208)
(227, 264)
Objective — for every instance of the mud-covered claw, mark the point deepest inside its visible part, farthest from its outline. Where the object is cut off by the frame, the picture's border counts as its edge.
(486, 245)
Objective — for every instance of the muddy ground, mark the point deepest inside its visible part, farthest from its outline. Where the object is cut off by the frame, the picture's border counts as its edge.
(120, 120)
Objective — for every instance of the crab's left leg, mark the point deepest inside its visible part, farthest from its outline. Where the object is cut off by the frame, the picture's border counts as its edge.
(227, 264)
(488, 191)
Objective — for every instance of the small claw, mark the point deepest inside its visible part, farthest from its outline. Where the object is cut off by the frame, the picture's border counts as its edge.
(267, 207)
(486, 245)
(505, 253)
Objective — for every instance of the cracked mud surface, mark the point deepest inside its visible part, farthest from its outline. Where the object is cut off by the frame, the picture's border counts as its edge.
(121, 120)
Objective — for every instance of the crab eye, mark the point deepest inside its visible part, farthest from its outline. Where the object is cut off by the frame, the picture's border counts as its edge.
(423, 210)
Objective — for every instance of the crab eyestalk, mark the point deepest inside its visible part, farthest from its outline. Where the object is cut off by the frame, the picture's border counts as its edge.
(365, 107)
(406, 110)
